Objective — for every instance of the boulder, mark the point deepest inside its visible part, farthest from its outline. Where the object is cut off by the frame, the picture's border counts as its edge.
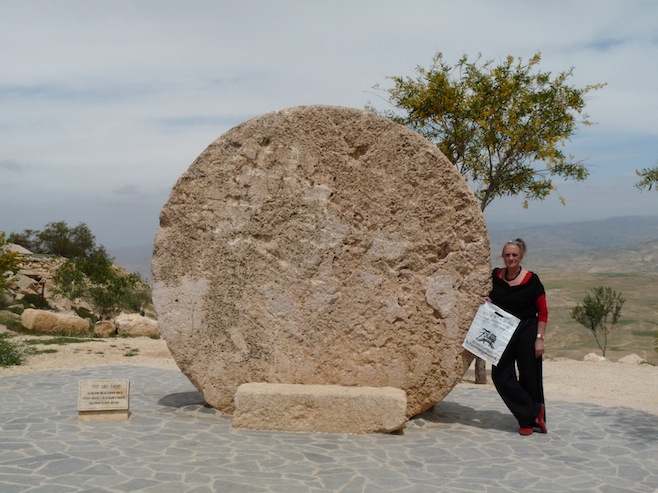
(134, 325)
(320, 245)
(60, 303)
(105, 328)
(319, 408)
(633, 359)
(593, 357)
(13, 247)
(24, 285)
(47, 322)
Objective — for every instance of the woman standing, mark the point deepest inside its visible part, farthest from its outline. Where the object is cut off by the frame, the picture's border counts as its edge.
(521, 293)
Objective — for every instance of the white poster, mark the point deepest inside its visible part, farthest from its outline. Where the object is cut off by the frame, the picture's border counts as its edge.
(490, 332)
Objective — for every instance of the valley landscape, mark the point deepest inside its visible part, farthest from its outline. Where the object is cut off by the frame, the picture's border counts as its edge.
(571, 258)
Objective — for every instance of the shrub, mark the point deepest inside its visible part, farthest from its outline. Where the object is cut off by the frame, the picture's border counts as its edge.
(599, 312)
(35, 301)
(84, 313)
(8, 262)
(10, 354)
(12, 323)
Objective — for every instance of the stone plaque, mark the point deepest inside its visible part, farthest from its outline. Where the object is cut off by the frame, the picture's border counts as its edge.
(104, 399)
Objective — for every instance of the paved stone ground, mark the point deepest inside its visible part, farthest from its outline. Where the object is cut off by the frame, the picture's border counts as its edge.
(174, 443)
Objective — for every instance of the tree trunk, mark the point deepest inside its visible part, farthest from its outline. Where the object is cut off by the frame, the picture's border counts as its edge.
(480, 371)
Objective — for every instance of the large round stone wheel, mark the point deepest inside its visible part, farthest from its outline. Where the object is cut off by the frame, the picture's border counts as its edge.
(320, 245)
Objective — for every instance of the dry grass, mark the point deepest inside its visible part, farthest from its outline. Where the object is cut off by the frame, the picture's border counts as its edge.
(638, 326)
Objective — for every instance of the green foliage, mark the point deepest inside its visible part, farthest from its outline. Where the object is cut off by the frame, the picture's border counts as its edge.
(105, 287)
(88, 272)
(10, 354)
(13, 324)
(649, 178)
(57, 238)
(131, 352)
(59, 340)
(84, 313)
(599, 312)
(35, 301)
(503, 126)
(8, 262)
(34, 351)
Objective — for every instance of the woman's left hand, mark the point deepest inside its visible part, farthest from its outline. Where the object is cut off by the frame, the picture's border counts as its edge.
(539, 348)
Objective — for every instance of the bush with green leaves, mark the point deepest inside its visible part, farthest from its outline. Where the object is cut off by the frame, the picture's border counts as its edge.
(33, 300)
(106, 287)
(599, 312)
(57, 238)
(10, 353)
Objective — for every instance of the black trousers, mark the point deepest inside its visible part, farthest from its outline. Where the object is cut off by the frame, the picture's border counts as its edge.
(523, 394)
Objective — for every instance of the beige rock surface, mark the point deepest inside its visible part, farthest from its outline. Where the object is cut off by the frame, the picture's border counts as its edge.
(319, 408)
(320, 245)
(135, 325)
(105, 328)
(49, 322)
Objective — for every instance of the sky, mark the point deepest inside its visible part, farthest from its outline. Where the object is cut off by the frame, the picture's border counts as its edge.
(104, 104)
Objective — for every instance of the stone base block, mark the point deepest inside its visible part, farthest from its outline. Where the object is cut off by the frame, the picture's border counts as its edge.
(319, 408)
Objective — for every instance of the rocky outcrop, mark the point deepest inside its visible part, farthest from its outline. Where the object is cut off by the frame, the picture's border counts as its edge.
(320, 245)
(48, 322)
(35, 277)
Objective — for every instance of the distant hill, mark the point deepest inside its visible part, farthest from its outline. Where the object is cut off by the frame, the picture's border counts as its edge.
(619, 244)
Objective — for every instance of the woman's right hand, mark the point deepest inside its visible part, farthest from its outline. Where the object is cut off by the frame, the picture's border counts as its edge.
(485, 299)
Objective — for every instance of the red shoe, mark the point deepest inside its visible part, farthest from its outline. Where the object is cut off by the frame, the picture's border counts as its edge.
(525, 431)
(541, 424)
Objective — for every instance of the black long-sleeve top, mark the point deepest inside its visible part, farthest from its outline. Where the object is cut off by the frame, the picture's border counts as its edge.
(527, 300)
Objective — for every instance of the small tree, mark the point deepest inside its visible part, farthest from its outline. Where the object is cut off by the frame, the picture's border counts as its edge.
(502, 125)
(57, 238)
(599, 312)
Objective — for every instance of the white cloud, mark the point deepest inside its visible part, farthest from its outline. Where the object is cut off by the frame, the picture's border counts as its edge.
(115, 99)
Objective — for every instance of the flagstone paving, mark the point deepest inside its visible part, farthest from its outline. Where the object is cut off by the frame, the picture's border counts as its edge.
(174, 443)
